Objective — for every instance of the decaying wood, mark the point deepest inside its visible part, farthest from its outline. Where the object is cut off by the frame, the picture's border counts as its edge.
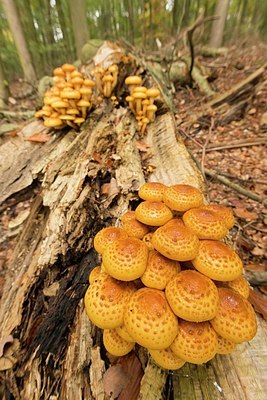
(56, 352)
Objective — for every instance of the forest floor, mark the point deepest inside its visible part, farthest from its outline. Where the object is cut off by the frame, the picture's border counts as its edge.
(236, 158)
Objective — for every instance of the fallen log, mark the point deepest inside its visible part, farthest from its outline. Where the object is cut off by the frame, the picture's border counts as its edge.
(49, 349)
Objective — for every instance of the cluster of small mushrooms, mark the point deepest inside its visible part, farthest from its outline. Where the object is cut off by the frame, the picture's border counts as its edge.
(168, 282)
(141, 101)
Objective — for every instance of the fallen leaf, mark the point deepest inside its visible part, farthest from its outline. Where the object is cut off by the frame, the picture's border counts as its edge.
(263, 289)
(257, 251)
(244, 213)
(111, 189)
(132, 365)
(142, 146)
(114, 380)
(39, 137)
(255, 267)
(259, 302)
(96, 157)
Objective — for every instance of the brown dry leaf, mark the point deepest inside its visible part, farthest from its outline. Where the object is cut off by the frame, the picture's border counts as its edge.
(133, 367)
(96, 157)
(263, 289)
(244, 213)
(142, 146)
(39, 137)
(114, 380)
(111, 189)
(257, 251)
(259, 302)
(255, 267)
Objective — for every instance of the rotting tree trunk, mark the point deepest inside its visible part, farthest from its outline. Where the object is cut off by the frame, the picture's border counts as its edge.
(21, 45)
(52, 351)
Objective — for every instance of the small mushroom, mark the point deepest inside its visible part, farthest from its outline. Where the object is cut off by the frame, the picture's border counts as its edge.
(145, 121)
(114, 70)
(150, 111)
(152, 93)
(166, 359)
(196, 342)
(107, 80)
(130, 100)
(106, 236)
(192, 296)
(71, 95)
(223, 212)
(218, 261)
(182, 197)
(175, 241)
(68, 119)
(149, 319)
(239, 285)
(77, 82)
(133, 227)
(53, 122)
(68, 68)
(138, 97)
(60, 106)
(115, 344)
(132, 82)
(153, 213)
(152, 191)
(84, 106)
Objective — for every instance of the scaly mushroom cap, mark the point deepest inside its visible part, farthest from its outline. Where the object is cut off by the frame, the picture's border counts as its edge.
(152, 92)
(133, 227)
(166, 359)
(174, 240)
(149, 319)
(153, 213)
(225, 346)
(196, 342)
(68, 67)
(152, 191)
(147, 240)
(115, 344)
(223, 212)
(124, 334)
(106, 236)
(218, 261)
(125, 259)
(239, 285)
(159, 271)
(133, 80)
(206, 224)
(192, 296)
(236, 319)
(53, 122)
(94, 274)
(105, 301)
(182, 197)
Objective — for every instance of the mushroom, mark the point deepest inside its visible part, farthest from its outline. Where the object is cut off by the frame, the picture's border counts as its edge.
(114, 70)
(152, 93)
(130, 100)
(79, 120)
(132, 82)
(206, 224)
(145, 103)
(225, 346)
(124, 334)
(107, 80)
(71, 95)
(182, 197)
(84, 105)
(133, 227)
(68, 68)
(106, 236)
(60, 106)
(115, 344)
(159, 271)
(105, 301)
(138, 97)
(94, 274)
(236, 319)
(68, 119)
(217, 261)
(196, 342)
(53, 122)
(149, 319)
(166, 359)
(145, 121)
(152, 191)
(125, 259)
(223, 212)
(153, 213)
(239, 285)
(174, 240)
(192, 296)
(150, 111)
(77, 82)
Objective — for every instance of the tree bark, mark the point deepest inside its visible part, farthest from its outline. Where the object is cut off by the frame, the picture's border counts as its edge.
(20, 41)
(217, 30)
(79, 24)
(3, 89)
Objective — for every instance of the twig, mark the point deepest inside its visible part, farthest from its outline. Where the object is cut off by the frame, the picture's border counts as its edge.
(216, 147)
(236, 187)
(205, 146)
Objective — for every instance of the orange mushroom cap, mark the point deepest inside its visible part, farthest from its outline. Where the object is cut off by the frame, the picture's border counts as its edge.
(115, 344)
(196, 342)
(94, 274)
(206, 224)
(107, 235)
(217, 261)
(105, 301)
(240, 285)
(182, 197)
(174, 240)
(223, 212)
(152, 191)
(153, 213)
(149, 319)
(236, 319)
(125, 259)
(159, 271)
(122, 331)
(192, 296)
(225, 346)
(133, 227)
(166, 359)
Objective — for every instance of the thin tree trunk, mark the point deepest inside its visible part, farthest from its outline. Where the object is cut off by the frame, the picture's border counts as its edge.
(63, 20)
(79, 24)
(216, 37)
(20, 41)
(130, 10)
(3, 89)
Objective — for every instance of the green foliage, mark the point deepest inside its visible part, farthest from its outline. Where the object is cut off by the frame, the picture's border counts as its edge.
(47, 26)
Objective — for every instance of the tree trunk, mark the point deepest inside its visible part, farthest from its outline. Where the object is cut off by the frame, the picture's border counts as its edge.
(20, 41)
(3, 89)
(216, 36)
(79, 24)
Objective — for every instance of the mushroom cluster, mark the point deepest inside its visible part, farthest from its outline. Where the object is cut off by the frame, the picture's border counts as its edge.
(141, 101)
(69, 101)
(168, 283)
(106, 79)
